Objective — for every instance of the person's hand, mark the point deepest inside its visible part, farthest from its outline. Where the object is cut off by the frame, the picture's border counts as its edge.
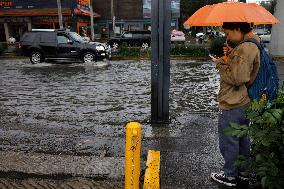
(214, 59)
(227, 49)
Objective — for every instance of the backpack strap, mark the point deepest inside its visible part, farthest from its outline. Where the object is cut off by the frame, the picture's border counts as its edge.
(253, 40)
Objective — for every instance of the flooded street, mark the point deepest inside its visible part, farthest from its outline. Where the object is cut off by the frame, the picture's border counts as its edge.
(71, 101)
(54, 113)
(77, 97)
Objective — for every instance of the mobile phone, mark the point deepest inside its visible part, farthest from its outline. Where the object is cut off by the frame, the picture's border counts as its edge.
(211, 56)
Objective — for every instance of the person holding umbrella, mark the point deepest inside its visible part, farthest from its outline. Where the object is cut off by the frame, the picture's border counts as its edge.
(238, 69)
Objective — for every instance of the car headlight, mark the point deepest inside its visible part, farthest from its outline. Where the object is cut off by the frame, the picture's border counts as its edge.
(100, 48)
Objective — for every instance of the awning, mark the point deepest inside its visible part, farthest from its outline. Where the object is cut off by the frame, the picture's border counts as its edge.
(34, 12)
(45, 12)
(78, 11)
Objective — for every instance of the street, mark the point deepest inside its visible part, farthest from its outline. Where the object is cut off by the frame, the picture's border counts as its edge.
(64, 119)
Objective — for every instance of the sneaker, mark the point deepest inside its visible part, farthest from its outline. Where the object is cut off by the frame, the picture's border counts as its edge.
(222, 179)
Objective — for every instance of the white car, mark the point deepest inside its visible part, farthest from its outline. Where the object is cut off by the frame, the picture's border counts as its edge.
(177, 36)
(200, 34)
(263, 34)
(265, 38)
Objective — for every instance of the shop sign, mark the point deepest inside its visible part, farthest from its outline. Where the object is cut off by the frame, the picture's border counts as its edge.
(31, 4)
(6, 3)
(85, 3)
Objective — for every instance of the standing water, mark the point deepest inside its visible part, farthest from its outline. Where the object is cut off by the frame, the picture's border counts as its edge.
(81, 109)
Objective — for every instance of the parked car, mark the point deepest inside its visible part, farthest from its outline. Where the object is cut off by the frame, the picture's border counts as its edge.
(41, 44)
(199, 34)
(140, 38)
(264, 34)
(177, 36)
(265, 38)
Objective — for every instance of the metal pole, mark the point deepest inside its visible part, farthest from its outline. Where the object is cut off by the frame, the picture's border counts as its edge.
(112, 14)
(59, 14)
(160, 68)
(111, 9)
(92, 21)
(276, 45)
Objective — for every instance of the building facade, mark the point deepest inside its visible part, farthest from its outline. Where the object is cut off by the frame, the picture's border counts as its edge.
(118, 16)
(18, 16)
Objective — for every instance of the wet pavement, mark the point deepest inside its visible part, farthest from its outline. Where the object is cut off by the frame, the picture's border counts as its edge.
(74, 113)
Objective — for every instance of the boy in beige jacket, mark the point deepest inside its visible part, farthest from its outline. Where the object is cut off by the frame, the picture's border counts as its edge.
(237, 71)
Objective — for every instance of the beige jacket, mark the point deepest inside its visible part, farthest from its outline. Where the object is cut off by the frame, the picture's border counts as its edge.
(236, 74)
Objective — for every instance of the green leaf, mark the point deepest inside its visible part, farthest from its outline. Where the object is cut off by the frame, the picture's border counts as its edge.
(235, 125)
(263, 182)
(265, 142)
(277, 113)
(236, 133)
(229, 131)
(258, 158)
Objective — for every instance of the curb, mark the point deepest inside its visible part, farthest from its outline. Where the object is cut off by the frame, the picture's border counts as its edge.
(46, 164)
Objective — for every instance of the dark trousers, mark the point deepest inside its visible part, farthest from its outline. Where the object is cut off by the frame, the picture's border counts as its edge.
(232, 147)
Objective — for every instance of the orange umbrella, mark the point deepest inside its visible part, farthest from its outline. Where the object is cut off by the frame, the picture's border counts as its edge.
(217, 14)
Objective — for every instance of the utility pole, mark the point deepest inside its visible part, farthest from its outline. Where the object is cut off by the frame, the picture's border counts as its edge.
(160, 66)
(59, 14)
(276, 45)
(92, 21)
(112, 14)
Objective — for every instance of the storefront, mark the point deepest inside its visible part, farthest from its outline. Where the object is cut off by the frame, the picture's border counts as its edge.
(127, 15)
(17, 16)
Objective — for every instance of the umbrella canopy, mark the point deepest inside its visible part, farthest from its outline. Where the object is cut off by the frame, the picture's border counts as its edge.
(217, 14)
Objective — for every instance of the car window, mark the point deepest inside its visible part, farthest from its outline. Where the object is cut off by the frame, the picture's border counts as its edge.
(28, 36)
(47, 37)
(62, 39)
(137, 35)
(128, 35)
(77, 37)
(147, 34)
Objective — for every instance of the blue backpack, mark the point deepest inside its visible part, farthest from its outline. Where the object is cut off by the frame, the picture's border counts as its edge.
(266, 81)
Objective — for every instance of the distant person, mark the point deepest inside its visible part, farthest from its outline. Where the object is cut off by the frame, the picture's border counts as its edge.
(11, 40)
(237, 71)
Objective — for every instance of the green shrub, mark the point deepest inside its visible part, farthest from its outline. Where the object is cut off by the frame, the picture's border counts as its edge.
(129, 51)
(177, 50)
(267, 137)
(192, 51)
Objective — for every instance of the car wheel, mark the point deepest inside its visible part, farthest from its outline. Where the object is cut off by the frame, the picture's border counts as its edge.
(36, 57)
(115, 45)
(88, 57)
(145, 45)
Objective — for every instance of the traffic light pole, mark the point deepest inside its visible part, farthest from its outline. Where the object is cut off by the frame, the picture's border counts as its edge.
(160, 67)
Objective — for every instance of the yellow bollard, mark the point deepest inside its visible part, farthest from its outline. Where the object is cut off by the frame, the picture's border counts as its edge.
(152, 174)
(132, 155)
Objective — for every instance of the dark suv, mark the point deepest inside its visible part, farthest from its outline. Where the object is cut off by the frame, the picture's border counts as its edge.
(40, 44)
(132, 38)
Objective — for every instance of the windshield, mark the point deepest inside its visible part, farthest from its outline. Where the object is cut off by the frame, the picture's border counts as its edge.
(77, 37)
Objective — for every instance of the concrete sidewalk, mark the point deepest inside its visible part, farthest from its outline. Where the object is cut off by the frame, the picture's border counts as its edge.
(189, 152)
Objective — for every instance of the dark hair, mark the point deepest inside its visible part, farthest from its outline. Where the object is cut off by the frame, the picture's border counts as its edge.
(243, 26)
